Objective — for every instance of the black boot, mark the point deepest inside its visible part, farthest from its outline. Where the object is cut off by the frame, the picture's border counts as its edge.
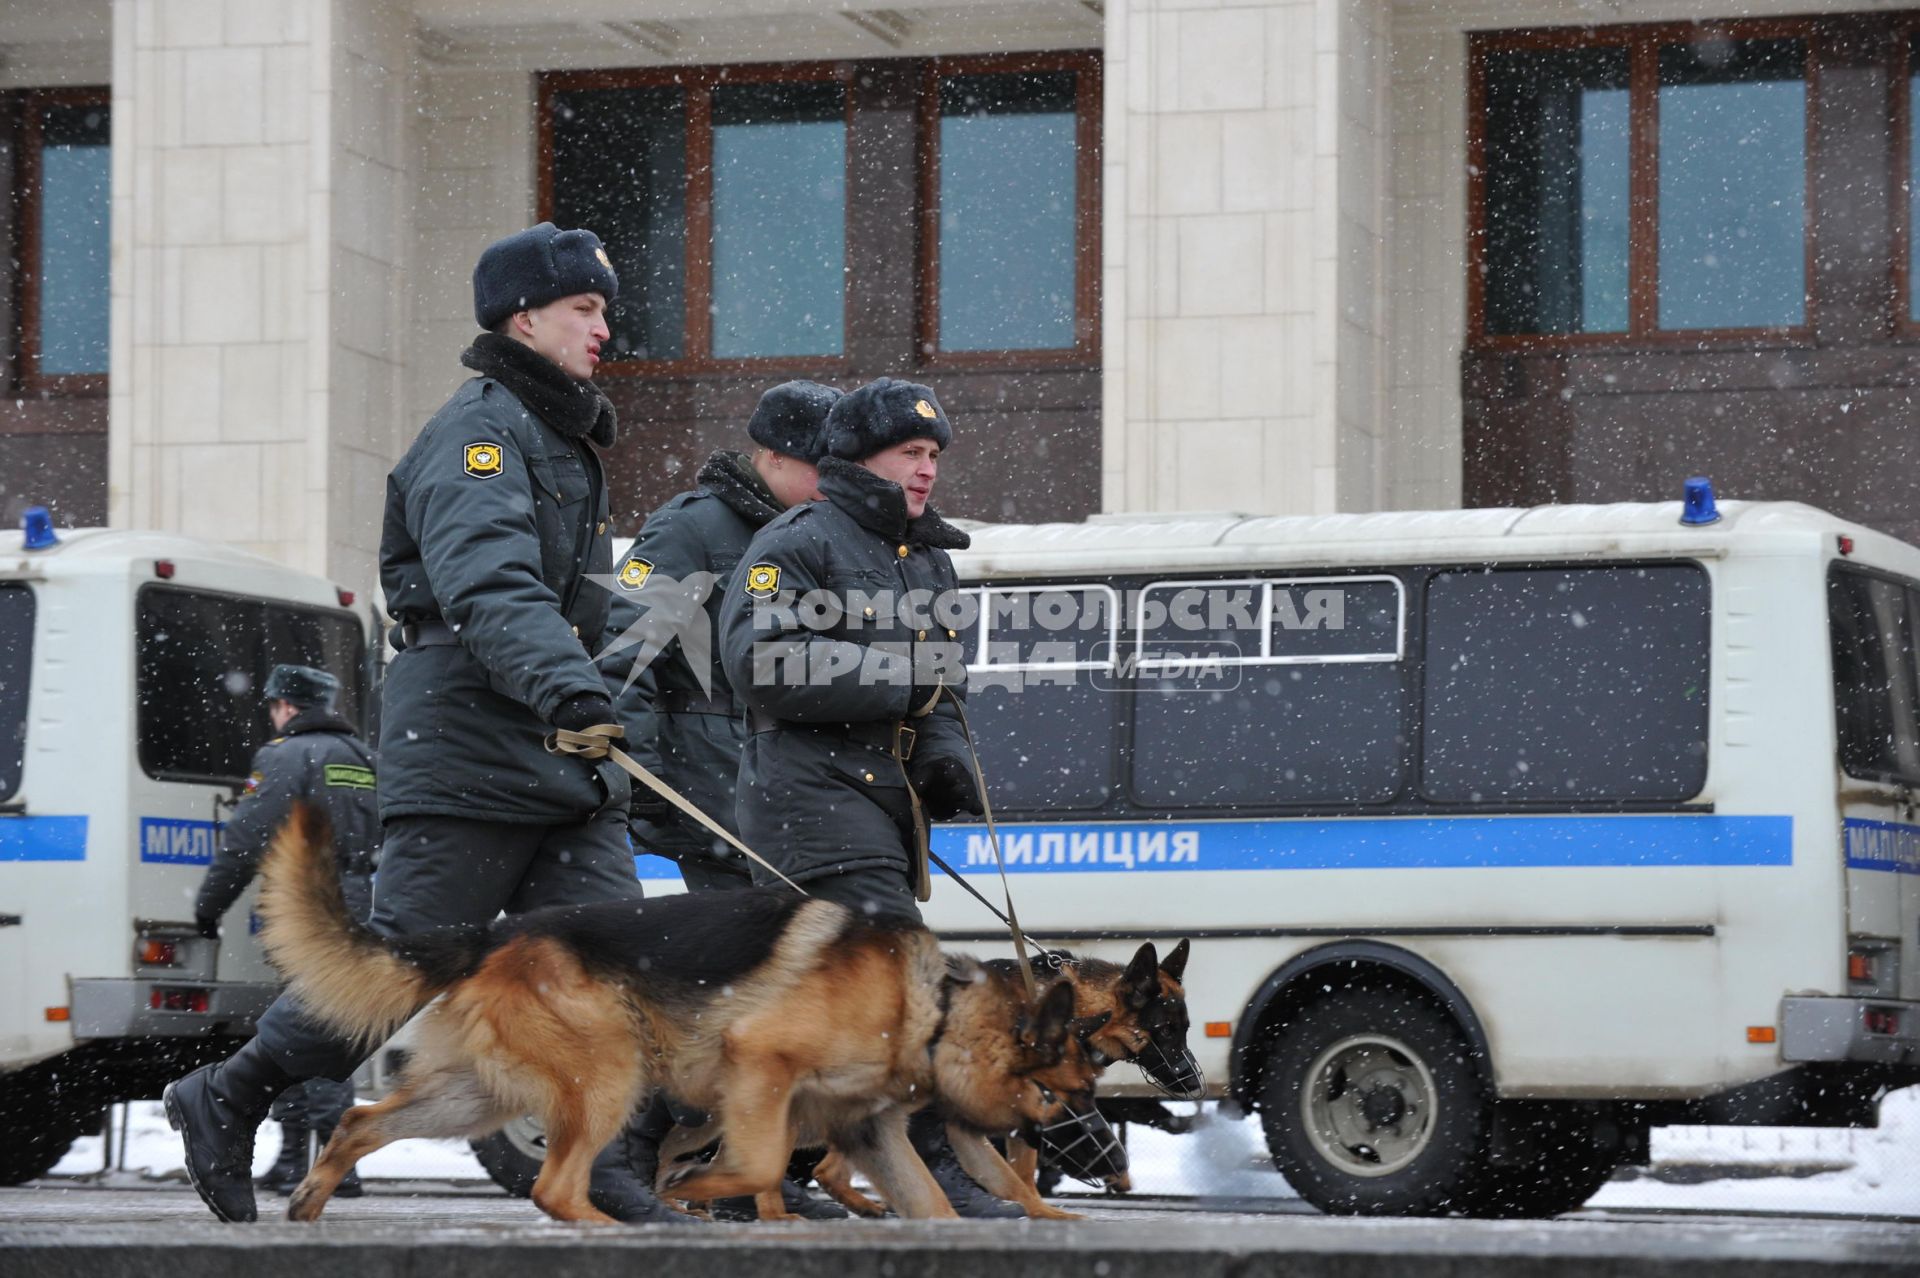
(928, 1132)
(290, 1168)
(216, 1109)
(623, 1173)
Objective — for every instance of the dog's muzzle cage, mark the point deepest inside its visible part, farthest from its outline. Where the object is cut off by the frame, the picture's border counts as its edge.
(1172, 1074)
(1083, 1146)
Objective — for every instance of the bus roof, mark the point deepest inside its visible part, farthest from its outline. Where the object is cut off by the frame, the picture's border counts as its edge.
(1149, 542)
(201, 563)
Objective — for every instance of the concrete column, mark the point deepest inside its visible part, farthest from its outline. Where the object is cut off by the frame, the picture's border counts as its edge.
(1244, 236)
(259, 284)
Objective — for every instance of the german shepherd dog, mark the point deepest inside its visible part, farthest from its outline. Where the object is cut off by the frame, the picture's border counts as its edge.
(1140, 1015)
(769, 1009)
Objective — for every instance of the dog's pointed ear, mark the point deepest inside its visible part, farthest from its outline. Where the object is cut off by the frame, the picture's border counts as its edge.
(1140, 984)
(1052, 1018)
(1175, 964)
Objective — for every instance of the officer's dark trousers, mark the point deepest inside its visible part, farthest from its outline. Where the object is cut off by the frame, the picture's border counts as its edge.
(704, 874)
(436, 871)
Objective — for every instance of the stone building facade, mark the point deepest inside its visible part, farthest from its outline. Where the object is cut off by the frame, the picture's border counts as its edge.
(1296, 256)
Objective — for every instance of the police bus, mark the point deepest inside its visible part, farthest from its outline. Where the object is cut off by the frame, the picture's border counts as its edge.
(130, 672)
(1502, 835)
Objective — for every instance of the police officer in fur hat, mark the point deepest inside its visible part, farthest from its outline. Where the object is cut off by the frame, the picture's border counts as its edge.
(855, 737)
(683, 720)
(495, 520)
(316, 757)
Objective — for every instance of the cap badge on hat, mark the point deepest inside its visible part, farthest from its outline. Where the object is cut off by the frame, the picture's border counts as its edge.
(483, 460)
(925, 409)
(763, 581)
(634, 573)
(605, 261)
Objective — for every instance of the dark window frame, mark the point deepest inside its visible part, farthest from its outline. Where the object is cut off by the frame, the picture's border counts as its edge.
(1643, 43)
(362, 671)
(27, 214)
(1903, 31)
(1088, 96)
(698, 82)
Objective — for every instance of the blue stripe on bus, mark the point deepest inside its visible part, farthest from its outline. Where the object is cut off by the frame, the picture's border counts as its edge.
(178, 841)
(1882, 845)
(1375, 843)
(43, 838)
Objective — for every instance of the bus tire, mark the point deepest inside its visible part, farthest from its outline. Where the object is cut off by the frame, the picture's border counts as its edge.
(32, 1142)
(1372, 1106)
(513, 1155)
(1566, 1154)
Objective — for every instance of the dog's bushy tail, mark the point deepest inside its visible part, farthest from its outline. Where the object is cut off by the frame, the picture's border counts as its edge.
(359, 984)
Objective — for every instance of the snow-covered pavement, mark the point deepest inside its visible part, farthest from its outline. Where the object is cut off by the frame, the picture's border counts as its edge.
(1822, 1171)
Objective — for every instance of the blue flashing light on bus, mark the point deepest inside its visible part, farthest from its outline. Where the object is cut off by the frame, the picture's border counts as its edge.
(1700, 505)
(37, 525)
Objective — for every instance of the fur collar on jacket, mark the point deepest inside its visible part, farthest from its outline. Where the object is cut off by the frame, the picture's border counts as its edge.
(577, 409)
(730, 476)
(315, 719)
(881, 505)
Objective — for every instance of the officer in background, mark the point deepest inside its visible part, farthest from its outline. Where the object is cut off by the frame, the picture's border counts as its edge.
(683, 722)
(855, 737)
(317, 758)
(495, 520)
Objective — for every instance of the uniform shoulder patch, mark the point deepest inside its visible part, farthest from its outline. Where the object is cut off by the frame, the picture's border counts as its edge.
(634, 573)
(254, 779)
(762, 581)
(483, 460)
(349, 776)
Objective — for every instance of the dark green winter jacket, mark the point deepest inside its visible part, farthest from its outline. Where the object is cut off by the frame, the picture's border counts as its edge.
(496, 519)
(318, 759)
(838, 612)
(662, 656)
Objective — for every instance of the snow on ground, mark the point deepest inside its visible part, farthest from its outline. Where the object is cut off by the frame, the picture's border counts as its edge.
(1871, 1172)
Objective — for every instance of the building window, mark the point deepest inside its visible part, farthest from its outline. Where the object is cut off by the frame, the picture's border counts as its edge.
(722, 197)
(1010, 190)
(1637, 181)
(65, 205)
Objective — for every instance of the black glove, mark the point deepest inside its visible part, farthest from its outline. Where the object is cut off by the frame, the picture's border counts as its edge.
(583, 710)
(207, 927)
(946, 787)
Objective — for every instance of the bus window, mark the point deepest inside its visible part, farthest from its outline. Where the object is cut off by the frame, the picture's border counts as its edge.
(1569, 684)
(1308, 706)
(202, 661)
(1040, 696)
(1875, 696)
(16, 666)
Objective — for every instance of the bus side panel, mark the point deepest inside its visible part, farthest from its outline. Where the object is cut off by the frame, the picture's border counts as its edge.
(63, 869)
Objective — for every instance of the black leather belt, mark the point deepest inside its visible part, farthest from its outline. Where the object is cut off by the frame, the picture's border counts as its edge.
(891, 735)
(430, 633)
(683, 701)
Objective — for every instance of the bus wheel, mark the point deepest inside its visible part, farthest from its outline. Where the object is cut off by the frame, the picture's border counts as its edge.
(32, 1142)
(1372, 1106)
(513, 1155)
(1563, 1155)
